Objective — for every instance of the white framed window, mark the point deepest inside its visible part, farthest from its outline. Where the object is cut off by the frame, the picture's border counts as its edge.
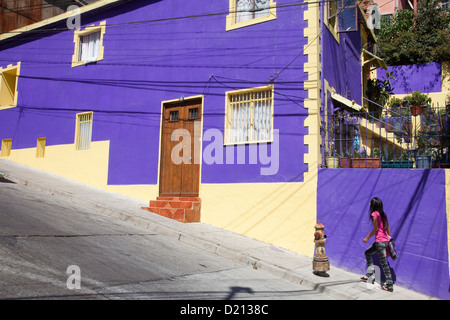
(83, 132)
(247, 12)
(88, 45)
(249, 115)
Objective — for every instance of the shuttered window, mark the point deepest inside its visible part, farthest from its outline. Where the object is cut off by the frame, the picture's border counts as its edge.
(84, 131)
(249, 115)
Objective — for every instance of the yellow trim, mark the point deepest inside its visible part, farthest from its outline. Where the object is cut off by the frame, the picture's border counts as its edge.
(313, 86)
(6, 92)
(40, 147)
(445, 78)
(6, 148)
(80, 33)
(60, 17)
(231, 23)
(228, 111)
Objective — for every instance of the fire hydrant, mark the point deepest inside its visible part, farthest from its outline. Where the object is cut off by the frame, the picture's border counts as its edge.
(321, 264)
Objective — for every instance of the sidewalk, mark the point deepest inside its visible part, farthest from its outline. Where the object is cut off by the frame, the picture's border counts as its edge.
(340, 284)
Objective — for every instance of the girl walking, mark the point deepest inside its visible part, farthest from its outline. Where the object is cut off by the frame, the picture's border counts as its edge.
(382, 234)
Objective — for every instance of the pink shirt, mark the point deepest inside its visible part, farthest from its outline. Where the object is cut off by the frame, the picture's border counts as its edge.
(381, 235)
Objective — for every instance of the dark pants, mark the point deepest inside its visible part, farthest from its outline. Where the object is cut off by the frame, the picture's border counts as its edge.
(380, 249)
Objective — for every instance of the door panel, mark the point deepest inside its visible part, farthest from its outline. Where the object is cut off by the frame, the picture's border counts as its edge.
(181, 179)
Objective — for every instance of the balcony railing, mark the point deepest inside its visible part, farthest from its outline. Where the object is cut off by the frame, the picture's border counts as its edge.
(395, 137)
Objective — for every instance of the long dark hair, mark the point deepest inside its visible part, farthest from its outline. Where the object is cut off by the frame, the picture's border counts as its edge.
(377, 205)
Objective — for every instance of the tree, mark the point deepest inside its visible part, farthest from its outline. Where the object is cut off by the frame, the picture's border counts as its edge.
(411, 38)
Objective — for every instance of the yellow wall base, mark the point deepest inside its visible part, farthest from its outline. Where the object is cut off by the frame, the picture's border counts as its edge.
(282, 214)
(89, 167)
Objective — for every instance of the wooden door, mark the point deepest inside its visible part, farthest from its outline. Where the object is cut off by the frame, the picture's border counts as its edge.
(180, 179)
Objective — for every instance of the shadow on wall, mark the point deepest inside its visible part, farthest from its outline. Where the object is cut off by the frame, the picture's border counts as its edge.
(415, 203)
(408, 78)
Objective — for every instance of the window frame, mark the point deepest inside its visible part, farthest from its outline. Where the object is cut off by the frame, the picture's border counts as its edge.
(86, 145)
(331, 18)
(78, 34)
(3, 83)
(251, 125)
(231, 23)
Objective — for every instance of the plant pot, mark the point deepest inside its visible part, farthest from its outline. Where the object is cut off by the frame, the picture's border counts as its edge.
(397, 164)
(416, 110)
(366, 163)
(332, 162)
(345, 162)
(423, 162)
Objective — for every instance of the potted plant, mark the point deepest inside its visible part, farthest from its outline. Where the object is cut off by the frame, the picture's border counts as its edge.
(332, 161)
(366, 162)
(417, 102)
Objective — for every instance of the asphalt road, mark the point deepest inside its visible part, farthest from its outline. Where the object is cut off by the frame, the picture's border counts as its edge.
(54, 249)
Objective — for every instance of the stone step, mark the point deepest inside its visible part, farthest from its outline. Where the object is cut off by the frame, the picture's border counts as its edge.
(183, 209)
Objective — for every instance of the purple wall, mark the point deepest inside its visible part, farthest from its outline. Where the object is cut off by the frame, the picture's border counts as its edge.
(409, 78)
(342, 63)
(146, 63)
(415, 203)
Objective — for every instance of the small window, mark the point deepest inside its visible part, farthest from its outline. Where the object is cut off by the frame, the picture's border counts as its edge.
(8, 86)
(6, 147)
(40, 147)
(83, 133)
(249, 115)
(88, 45)
(193, 113)
(248, 12)
(174, 116)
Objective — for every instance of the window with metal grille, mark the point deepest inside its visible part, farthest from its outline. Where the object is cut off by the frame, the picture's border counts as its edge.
(84, 131)
(249, 115)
